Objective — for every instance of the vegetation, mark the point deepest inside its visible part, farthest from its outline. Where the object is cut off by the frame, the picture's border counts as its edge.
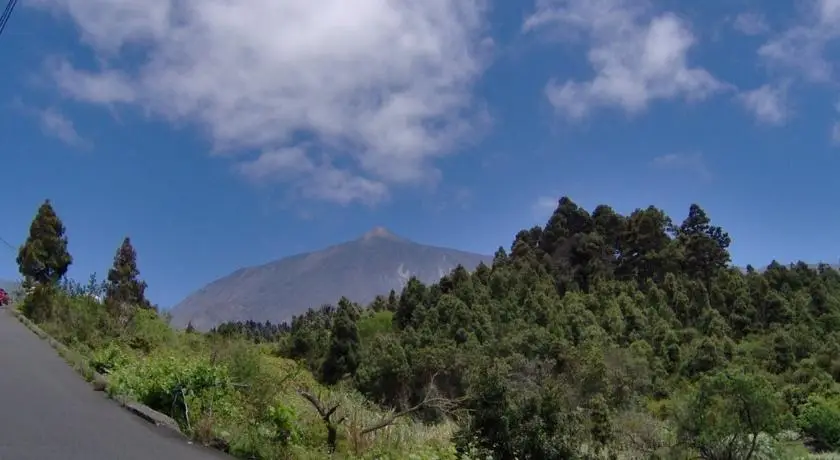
(124, 287)
(597, 336)
(44, 259)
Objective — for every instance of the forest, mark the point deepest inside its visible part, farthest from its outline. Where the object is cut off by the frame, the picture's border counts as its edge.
(595, 336)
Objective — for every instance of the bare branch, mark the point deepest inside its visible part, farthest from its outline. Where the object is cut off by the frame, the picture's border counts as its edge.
(332, 427)
(316, 403)
(441, 403)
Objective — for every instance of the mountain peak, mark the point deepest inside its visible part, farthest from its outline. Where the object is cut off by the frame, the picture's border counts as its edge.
(372, 264)
(380, 232)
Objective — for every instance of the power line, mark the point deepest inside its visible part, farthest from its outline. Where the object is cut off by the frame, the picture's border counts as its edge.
(4, 19)
(7, 13)
(7, 244)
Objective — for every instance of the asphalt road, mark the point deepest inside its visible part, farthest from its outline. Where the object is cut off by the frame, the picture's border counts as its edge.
(48, 412)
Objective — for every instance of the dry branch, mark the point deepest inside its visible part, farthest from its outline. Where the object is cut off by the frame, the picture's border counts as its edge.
(444, 404)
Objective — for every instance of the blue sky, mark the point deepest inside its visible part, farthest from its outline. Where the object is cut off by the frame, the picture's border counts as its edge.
(222, 135)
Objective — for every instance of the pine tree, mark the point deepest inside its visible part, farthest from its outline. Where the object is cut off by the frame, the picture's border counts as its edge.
(412, 298)
(123, 285)
(379, 303)
(706, 246)
(44, 259)
(343, 355)
(392, 301)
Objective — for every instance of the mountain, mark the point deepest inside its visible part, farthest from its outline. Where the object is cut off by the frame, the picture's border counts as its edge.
(11, 287)
(361, 269)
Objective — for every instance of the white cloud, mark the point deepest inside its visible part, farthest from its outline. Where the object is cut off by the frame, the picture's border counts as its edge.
(379, 87)
(106, 87)
(638, 57)
(55, 124)
(835, 133)
(269, 164)
(835, 127)
(802, 47)
(320, 181)
(751, 23)
(694, 163)
(768, 103)
(544, 206)
(457, 198)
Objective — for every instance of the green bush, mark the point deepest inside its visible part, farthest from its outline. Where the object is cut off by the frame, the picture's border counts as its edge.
(146, 331)
(184, 388)
(284, 422)
(105, 360)
(40, 303)
(78, 321)
(820, 421)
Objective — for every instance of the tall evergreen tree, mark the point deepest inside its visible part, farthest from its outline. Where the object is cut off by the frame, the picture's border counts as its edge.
(705, 245)
(343, 355)
(379, 303)
(645, 244)
(124, 286)
(411, 299)
(392, 301)
(44, 259)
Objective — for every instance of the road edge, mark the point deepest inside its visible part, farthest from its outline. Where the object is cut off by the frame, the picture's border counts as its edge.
(99, 382)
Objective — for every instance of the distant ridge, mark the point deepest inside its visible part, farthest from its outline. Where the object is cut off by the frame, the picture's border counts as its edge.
(11, 287)
(761, 268)
(372, 264)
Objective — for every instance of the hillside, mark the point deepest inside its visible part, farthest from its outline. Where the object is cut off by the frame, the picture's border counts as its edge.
(601, 335)
(596, 336)
(360, 269)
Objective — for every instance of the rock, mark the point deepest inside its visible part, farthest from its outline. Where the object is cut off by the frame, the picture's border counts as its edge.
(99, 382)
(152, 416)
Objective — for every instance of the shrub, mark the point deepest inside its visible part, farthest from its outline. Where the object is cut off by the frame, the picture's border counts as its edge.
(80, 319)
(146, 331)
(184, 388)
(105, 360)
(820, 421)
(284, 421)
(229, 392)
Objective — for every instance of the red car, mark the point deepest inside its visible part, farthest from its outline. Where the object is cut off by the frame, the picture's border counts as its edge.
(4, 298)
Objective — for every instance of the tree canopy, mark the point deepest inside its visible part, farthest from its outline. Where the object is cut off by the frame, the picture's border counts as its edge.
(123, 284)
(591, 330)
(43, 258)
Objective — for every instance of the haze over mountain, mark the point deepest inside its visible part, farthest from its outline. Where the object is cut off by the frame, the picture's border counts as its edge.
(360, 269)
(10, 286)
